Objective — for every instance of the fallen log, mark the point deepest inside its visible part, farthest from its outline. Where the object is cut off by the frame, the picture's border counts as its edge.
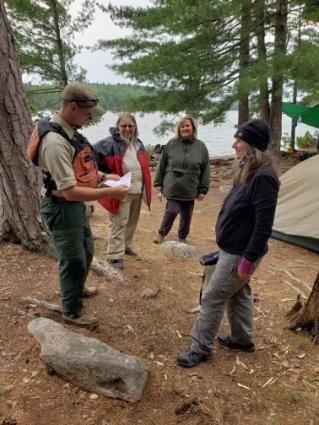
(306, 316)
(102, 268)
(44, 304)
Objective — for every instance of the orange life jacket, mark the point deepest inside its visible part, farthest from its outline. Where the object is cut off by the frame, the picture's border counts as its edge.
(83, 164)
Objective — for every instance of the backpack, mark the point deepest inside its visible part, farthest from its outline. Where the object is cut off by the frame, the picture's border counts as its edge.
(83, 164)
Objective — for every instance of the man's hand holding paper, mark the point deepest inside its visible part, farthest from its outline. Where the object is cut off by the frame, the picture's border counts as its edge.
(123, 181)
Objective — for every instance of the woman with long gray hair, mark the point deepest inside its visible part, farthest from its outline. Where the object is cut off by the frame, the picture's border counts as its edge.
(243, 228)
(120, 153)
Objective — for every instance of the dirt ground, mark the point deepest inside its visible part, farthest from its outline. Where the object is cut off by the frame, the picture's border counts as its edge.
(276, 385)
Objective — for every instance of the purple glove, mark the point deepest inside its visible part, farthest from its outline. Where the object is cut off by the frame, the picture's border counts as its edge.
(245, 269)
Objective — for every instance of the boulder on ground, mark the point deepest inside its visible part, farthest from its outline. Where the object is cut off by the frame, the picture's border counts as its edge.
(89, 363)
(180, 249)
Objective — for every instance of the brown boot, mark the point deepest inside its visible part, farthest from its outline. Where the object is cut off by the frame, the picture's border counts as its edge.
(159, 239)
(85, 320)
(89, 291)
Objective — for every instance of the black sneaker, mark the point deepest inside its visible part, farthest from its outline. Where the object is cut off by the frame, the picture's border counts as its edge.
(130, 252)
(190, 358)
(226, 341)
(117, 263)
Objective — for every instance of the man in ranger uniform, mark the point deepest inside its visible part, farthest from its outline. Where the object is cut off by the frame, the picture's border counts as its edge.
(70, 178)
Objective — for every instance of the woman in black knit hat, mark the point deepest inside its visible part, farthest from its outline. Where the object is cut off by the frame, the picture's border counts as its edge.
(243, 228)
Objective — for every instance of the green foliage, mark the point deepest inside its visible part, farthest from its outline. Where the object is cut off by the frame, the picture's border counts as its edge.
(116, 98)
(305, 141)
(189, 52)
(44, 31)
(181, 50)
(285, 143)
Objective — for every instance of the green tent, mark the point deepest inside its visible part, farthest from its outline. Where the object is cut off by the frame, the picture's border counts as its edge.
(301, 113)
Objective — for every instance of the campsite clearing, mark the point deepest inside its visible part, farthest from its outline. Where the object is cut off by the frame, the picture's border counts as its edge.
(276, 385)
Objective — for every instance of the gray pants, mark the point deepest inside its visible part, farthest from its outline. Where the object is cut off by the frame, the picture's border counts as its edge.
(224, 291)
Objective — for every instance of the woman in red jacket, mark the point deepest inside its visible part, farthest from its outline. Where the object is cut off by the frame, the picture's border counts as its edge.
(120, 153)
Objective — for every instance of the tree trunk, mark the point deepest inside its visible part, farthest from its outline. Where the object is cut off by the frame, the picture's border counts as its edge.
(243, 106)
(278, 74)
(295, 88)
(19, 216)
(59, 45)
(264, 108)
(294, 121)
(307, 316)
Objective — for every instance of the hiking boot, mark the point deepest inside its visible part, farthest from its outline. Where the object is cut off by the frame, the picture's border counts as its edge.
(130, 252)
(226, 341)
(117, 263)
(85, 320)
(191, 358)
(159, 239)
(89, 291)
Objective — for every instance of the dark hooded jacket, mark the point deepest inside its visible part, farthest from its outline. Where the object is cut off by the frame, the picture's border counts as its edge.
(183, 170)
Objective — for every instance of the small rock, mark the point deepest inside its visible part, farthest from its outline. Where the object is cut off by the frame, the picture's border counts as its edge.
(4, 297)
(187, 408)
(94, 396)
(26, 380)
(150, 292)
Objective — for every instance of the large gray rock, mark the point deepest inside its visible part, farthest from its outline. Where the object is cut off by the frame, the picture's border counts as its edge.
(89, 363)
(180, 249)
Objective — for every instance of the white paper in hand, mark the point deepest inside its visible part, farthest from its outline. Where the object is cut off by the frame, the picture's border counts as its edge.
(123, 181)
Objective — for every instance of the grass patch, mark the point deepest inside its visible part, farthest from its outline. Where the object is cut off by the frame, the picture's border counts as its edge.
(303, 341)
(5, 390)
(277, 420)
(291, 396)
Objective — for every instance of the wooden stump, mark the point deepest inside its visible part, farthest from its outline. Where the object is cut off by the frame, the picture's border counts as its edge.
(306, 316)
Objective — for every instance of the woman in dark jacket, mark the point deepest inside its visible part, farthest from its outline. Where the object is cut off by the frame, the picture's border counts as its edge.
(243, 227)
(120, 153)
(181, 177)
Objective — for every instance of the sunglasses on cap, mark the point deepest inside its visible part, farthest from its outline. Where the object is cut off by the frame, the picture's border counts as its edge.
(86, 103)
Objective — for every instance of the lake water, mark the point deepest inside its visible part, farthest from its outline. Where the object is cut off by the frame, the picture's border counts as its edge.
(218, 139)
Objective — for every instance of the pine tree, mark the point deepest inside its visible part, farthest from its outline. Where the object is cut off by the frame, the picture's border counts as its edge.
(187, 51)
(201, 56)
(19, 219)
(44, 31)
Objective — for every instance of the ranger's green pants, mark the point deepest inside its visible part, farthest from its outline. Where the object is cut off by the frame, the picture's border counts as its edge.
(73, 241)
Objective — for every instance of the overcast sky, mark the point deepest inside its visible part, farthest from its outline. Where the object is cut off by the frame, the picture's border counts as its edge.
(102, 28)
